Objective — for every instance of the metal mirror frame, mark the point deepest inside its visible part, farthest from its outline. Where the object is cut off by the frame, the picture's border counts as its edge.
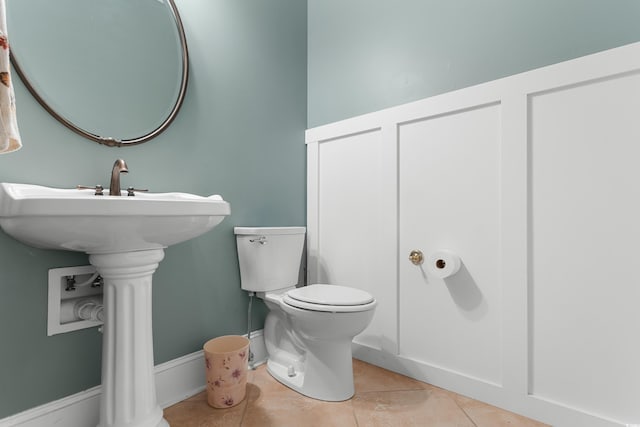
(111, 141)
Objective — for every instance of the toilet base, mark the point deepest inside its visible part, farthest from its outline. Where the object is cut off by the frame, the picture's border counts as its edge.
(327, 372)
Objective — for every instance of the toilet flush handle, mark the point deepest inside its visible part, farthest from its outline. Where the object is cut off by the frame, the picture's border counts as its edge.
(262, 240)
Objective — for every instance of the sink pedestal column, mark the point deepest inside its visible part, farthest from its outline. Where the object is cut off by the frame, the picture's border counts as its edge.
(128, 380)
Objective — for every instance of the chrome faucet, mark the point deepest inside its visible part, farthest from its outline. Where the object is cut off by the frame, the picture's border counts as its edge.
(120, 166)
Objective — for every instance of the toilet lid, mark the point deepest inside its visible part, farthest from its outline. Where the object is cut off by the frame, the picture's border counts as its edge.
(331, 295)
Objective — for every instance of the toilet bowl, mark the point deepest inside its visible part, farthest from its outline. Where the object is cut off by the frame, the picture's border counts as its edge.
(308, 330)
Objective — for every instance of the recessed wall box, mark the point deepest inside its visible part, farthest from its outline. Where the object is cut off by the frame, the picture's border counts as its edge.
(70, 287)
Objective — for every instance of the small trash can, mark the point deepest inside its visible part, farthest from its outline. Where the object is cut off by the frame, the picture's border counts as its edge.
(226, 359)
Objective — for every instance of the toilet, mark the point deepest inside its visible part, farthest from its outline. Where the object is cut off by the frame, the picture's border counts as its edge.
(309, 329)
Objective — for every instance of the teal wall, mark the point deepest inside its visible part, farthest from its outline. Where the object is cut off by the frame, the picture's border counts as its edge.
(240, 134)
(367, 55)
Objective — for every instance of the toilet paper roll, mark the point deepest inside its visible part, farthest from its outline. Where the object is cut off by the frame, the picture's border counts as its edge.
(444, 263)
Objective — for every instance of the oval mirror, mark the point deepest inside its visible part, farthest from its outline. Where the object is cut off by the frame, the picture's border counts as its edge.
(114, 71)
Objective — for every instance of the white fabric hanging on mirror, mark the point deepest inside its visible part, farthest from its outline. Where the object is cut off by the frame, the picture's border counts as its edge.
(9, 134)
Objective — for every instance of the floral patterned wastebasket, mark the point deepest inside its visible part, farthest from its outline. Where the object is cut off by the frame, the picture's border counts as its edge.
(226, 359)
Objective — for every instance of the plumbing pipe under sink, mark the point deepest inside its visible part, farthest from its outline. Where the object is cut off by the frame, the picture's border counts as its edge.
(83, 308)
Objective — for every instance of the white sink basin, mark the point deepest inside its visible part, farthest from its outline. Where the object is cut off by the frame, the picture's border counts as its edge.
(125, 237)
(77, 220)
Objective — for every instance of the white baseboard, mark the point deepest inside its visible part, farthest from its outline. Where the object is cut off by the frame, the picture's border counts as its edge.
(176, 380)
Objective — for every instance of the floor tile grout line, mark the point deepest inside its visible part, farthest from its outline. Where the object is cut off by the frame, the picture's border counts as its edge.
(353, 410)
(244, 412)
(465, 413)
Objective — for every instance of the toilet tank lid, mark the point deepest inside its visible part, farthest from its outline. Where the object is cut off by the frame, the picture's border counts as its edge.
(254, 231)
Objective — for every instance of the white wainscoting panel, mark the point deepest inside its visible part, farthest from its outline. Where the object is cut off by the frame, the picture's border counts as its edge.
(534, 181)
(356, 216)
(449, 199)
(585, 228)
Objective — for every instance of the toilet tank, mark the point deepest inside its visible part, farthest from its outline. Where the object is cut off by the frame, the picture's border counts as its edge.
(269, 257)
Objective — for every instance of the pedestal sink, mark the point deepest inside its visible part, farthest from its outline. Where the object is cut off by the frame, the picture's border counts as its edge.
(125, 238)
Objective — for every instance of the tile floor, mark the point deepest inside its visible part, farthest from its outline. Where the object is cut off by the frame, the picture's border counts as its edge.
(382, 398)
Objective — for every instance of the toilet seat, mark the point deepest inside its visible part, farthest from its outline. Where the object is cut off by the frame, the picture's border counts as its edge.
(329, 298)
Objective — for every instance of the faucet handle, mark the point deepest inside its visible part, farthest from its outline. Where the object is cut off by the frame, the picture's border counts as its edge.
(131, 191)
(99, 189)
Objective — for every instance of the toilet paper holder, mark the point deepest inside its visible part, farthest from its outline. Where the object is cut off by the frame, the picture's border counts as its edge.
(416, 257)
(441, 264)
